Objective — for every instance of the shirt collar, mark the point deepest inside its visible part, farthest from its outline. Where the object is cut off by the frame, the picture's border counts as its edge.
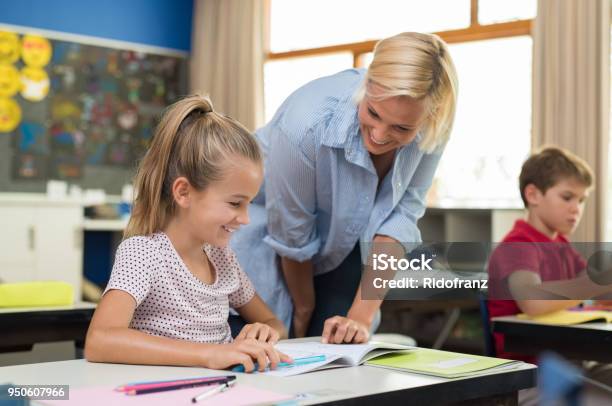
(344, 122)
(528, 228)
(347, 134)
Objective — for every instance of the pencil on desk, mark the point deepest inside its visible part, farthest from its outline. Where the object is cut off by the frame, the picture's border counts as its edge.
(135, 385)
(182, 385)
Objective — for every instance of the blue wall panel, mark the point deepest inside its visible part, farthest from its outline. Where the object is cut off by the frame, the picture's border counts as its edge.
(161, 23)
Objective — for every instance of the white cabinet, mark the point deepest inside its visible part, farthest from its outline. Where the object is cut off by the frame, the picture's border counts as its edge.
(41, 240)
(467, 224)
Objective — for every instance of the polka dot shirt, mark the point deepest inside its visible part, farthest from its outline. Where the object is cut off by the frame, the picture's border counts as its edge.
(170, 300)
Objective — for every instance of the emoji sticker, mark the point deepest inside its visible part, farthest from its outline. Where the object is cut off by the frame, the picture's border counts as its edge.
(35, 51)
(35, 83)
(9, 47)
(10, 115)
(9, 80)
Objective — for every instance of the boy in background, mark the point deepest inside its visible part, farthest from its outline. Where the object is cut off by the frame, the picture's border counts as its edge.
(535, 267)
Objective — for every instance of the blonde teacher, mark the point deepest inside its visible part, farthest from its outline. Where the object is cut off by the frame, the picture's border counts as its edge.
(348, 161)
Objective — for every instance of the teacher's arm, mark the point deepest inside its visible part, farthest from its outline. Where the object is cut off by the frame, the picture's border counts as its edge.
(291, 207)
(397, 234)
(299, 279)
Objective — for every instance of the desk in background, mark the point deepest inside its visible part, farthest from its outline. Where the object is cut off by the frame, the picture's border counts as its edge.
(355, 385)
(588, 341)
(24, 327)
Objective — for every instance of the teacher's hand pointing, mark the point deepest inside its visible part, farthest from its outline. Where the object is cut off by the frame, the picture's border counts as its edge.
(338, 330)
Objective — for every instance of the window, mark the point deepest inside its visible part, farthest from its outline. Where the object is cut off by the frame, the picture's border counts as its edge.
(492, 133)
(491, 46)
(496, 11)
(298, 24)
(283, 76)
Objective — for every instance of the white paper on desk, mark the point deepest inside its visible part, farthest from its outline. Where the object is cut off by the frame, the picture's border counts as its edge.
(350, 354)
(336, 355)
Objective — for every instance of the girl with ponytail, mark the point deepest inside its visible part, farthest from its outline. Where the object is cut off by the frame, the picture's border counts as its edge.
(174, 277)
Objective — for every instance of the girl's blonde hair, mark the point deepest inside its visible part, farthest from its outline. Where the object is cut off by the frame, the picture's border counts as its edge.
(419, 66)
(193, 141)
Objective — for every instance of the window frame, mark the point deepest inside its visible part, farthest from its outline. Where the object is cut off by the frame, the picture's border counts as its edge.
(475, 32)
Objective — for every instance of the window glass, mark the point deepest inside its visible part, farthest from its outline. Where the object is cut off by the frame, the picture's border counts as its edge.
(283, 76)
(297, 24)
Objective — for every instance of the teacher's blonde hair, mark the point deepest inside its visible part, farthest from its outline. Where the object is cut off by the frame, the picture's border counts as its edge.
(418, 66)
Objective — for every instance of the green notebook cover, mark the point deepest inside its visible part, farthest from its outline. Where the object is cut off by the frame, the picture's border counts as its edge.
(441, 363)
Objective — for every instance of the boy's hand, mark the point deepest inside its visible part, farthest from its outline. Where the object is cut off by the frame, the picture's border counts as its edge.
(260, 332)
(244, 352)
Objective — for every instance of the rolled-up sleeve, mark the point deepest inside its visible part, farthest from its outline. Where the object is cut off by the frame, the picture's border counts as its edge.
(290, 198)
(401, 224)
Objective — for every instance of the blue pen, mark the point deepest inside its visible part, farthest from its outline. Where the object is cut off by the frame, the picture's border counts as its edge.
(296, 362)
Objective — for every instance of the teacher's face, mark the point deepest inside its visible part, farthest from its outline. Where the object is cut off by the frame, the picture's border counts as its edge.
(390, 123)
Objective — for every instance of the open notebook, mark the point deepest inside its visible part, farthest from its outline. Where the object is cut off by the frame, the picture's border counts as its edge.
(443, 363)
(569, 317)
(336, 355)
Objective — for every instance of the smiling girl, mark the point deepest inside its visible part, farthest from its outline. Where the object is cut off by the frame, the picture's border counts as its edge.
(174, 276)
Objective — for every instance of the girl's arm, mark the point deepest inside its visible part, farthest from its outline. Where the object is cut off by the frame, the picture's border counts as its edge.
(265, 326)
(109, 339)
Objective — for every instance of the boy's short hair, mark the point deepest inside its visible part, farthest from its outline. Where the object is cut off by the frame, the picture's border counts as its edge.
(551, 165)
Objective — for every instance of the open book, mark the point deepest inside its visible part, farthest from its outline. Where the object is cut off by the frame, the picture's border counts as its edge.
(569, 317)
(443, 363)
(336, 355)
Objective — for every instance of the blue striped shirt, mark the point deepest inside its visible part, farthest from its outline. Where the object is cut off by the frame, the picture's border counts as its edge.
(321, 194)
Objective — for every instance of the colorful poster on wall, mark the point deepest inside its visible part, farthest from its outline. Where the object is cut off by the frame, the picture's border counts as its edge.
(83, 105)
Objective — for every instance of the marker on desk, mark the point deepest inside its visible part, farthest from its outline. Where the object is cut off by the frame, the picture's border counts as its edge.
(296, 362)
(213, 391)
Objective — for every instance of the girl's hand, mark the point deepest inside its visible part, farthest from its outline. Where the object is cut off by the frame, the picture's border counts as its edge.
(260, 332)
(338, 329)
(244, 352)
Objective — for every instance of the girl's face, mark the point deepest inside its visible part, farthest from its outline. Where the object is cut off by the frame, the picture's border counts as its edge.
(390, 123)
(222, 207)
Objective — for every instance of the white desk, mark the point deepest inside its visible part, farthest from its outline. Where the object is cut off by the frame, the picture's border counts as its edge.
(363, 385)
(587, 341)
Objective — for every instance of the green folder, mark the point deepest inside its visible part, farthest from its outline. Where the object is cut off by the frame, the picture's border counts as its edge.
(442, 363)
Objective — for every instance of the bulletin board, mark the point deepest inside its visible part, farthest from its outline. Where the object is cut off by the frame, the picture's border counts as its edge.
(79, 112)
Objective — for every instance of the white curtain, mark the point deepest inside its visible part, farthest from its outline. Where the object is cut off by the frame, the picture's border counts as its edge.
(227, 57)
(571, 92)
